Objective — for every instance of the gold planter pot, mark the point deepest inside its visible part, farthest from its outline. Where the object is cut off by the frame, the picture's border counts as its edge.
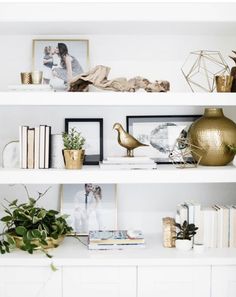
(73, 159)
(213, 132)
(51, 242)
(224, 83)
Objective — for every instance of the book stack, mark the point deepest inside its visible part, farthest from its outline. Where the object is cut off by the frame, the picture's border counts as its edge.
(115, 239)
(122, 163)
(35, 147)
(217, 223)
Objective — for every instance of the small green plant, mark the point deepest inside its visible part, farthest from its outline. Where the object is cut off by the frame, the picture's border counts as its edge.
(186, 231)
(232, 148)
(32, 224)
(73, 140)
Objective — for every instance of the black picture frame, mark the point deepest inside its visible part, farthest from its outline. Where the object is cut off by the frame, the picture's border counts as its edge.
(161, 157)
(90, 159)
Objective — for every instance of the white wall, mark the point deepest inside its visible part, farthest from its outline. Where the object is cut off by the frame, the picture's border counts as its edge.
(154, 57)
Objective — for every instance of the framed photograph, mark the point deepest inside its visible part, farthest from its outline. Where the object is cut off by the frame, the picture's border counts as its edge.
(92, 131)
(60, 60)
(90, 206)
(159, 132)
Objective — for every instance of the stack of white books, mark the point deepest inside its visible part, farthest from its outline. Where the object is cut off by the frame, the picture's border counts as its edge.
(115, 239)
(216, 224)
(122, 163)
(35, 147)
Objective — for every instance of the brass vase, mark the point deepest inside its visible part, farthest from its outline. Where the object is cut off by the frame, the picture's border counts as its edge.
(73, 159)
(213, 132)
(224, 83)
(233, 74)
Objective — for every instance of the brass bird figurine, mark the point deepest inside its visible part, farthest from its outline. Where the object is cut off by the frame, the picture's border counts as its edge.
(126, 140)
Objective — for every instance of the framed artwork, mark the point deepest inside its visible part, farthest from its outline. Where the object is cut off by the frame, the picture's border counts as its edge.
(60, 60)
(90, 206)
(92, 130)
(159, 132)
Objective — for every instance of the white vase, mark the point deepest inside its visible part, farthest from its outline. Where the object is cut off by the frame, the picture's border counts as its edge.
(57, 147)
(183, 244)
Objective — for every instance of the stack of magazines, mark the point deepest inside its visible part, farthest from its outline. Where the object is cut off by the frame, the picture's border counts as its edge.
(115, 239)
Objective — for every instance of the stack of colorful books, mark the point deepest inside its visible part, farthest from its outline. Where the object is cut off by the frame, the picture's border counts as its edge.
(115, 239)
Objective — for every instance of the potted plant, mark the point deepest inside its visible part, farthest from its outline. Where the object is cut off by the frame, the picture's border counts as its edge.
(73, 149)
(30, 228)
(184, 236)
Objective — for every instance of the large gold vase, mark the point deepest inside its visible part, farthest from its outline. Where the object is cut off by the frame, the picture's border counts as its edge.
(213, 132)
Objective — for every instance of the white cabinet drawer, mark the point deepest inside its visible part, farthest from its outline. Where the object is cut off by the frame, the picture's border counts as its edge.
(224, 281)
(175, 281)
(99, 281)
(30, 282)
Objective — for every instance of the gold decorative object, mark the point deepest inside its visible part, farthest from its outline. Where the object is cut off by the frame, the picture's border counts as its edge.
(73, 158)
(51, 242)
(37, 77)
(201, 67)
(213, 132)
(169, 232)
(126, 140)
(224, 83)
(26, 78)
(181, 155)
(233, 73)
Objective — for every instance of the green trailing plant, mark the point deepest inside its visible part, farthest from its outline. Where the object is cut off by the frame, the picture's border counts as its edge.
(232, 148)
(73, 140)
(32, 224)
(186, 231)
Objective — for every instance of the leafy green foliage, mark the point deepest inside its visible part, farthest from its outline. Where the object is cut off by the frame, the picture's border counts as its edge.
(232, 148)
(73, 140)
(186, 231)
(31, 223)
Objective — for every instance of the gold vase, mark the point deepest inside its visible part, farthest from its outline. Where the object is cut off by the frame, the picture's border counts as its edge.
(73, 159)
(213, 132)
(224, 83)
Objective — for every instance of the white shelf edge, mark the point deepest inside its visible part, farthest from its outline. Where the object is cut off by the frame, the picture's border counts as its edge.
(73, 253)
(164, 174)
(116, 99)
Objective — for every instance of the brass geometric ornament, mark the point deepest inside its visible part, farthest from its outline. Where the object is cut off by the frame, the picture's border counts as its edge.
(201, 67)
(181, 154)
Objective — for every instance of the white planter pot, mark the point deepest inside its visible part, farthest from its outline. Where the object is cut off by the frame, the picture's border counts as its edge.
(183, 245)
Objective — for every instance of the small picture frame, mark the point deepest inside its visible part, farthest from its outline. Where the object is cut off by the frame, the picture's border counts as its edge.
(52, 56)
(92, 130)
(89, 206)
(159, 132)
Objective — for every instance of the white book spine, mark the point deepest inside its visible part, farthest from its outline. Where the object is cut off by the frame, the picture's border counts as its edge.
(36, 148)
(47, 146)
(42, 147)
(24, 147)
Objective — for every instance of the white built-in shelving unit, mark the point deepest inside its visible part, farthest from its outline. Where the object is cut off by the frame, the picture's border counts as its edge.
(151, 22)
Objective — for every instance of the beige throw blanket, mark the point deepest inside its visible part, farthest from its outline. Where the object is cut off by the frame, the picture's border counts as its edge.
(98, 77)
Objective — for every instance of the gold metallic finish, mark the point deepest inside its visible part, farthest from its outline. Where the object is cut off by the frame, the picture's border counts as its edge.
(73, 159)
(224, 83)
(37, 77)
(213, 132)
(51, 242)
(126, 140)
(26, 78)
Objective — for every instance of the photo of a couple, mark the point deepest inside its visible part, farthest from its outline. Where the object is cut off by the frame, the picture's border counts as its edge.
(60, 60)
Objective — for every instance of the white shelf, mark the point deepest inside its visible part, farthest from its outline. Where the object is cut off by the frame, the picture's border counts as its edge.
(164, 174)
(117, 18)
(73, 253)
(116, 99)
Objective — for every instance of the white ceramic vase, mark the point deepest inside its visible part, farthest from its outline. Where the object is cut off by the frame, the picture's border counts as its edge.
(183, 244)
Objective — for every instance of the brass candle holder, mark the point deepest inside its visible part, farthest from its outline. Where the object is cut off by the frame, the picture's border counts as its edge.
(37, 77)
(26, 78)
(224, 83)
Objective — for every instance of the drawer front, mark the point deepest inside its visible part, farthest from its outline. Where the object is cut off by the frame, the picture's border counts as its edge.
(30, 282)
(169, 281)
(224, 281)
(99, 281)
